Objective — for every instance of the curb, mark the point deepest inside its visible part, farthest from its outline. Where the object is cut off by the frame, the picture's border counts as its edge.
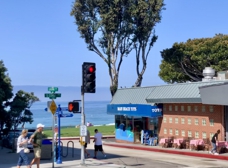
(77, 138)
(210, 156)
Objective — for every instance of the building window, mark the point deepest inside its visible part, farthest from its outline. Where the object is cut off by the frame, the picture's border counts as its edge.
(176, 108)
(176, 120)
(164, 120)
(170, 120)
(203, 122)
(211, 122)
(196, 108)
(170, 107)
(183, 133)
(182, 108)
(182, 121)
(211, 135)
(176, 132)
(189, 108)
(203, 109)
(165, 131)
(211, 108)
(170, 131)
(189, 133)
(204, 135)
(196, 121)
(196, 134)
(189, 121)
(164, 107)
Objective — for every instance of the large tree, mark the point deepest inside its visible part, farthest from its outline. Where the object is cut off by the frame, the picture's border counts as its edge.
(19, 112)
(112, 28)
(185, 61)
(5, 94)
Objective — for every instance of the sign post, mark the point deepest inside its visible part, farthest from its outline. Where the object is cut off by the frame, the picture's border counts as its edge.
(53, 109)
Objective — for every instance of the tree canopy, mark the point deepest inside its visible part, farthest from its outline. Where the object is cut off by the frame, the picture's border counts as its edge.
(112, 28)
(17, 110)
(185, 61)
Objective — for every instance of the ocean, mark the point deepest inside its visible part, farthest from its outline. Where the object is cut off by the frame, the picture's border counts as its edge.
(95, 113)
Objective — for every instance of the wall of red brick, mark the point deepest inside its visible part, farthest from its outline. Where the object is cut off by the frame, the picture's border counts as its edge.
(192, 111)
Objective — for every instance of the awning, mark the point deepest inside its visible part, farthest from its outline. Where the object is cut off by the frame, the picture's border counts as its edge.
(216, 94)
(137, 110)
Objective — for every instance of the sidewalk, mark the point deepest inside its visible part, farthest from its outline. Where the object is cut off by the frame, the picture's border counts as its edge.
(9, 160)
(187, 152)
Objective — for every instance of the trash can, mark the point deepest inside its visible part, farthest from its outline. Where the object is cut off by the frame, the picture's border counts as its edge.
(46, 149)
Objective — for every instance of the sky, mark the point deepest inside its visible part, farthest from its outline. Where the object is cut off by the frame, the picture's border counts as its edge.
(40, 45)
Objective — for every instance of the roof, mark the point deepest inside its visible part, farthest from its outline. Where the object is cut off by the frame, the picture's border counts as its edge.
(171, 93)
(134, 95)
(178, 93)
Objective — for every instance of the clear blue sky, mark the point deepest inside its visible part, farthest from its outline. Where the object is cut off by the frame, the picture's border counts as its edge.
(40, 45)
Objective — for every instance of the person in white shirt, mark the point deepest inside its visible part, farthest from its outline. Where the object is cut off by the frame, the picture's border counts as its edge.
(98, 144)
(22, 143)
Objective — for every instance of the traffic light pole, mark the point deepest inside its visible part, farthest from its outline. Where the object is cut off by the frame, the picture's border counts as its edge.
(82, 123)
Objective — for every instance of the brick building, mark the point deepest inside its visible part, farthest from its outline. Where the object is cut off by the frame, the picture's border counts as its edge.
(182, 112)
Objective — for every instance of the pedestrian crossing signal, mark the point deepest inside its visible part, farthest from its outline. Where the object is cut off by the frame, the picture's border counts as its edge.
(73, 107)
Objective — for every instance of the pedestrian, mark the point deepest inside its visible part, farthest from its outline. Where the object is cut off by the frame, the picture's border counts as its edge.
(87, 141)
(22, 143)
(36, 140)
(214, 139)
(98, 144)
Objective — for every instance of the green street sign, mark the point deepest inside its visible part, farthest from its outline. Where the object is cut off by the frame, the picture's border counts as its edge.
(52, 89)
(52, 95)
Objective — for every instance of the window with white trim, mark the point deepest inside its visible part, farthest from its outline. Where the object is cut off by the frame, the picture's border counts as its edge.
(182, 108)
(171, 131)
(183, 133)
(165, 131)
(170, 120)
(176, 132)
(189, 121)
(176, 120)
(196, 134)
(203, 122)
(196, 121)
(164, 120)
(182, 121)
(204, 135)
(211, 135)
(211, 122)
(189, 133)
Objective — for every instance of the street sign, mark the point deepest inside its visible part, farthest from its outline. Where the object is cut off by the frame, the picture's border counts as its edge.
(53, 107)
(66, 115)
(52, 95)
(83, 130)
(52, 89)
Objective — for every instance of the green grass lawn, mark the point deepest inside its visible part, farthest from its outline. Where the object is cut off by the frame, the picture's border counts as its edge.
(73, 132)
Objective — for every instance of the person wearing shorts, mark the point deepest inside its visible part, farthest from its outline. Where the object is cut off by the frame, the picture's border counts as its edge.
(36, 140)
(98, 144)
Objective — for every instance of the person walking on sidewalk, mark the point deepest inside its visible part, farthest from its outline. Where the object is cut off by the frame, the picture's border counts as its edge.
(36, 140)
(214, 139)
(22, 143)
(98, 144)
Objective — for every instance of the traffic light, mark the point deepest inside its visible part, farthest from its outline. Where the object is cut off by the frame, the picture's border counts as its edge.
(88, 77)
(73, 107)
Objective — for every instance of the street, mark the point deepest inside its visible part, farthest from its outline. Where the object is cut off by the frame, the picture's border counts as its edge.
(146, 159)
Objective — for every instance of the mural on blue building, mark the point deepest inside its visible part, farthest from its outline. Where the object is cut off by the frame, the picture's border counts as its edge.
(123, 133)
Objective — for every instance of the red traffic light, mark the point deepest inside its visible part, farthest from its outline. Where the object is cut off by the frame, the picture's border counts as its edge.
(91, 69)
